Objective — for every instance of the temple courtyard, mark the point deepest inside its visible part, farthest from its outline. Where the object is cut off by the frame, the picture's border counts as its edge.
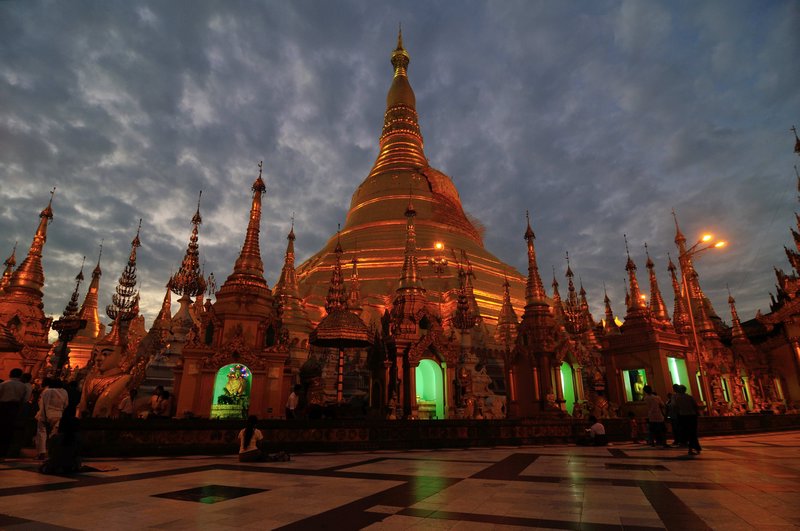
(738, 482)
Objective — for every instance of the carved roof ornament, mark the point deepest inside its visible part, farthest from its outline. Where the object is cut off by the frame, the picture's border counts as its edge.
(354, 296)
(507, 322)
(189, 281)
(534, 289)
(125, 301)
(249, 269)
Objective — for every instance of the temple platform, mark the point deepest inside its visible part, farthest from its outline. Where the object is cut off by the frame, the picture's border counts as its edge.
(737, 482)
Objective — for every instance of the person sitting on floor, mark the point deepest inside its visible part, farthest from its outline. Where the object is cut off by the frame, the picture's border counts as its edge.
(595, 434)
(249, 439)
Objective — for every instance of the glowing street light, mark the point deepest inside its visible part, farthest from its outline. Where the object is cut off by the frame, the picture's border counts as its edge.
(684, 259)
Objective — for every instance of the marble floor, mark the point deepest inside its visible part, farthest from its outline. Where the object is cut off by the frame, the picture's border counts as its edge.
(742, 482)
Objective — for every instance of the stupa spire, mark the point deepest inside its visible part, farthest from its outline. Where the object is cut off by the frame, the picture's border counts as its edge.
(534, 290)
(680, 315)
(558, 304)
(507, 322)
(125, 301)
(72, 306)
(409, 277)
(572, 295)
(635, 303)
(249, 269)
(287, 283)
(401, 145)
(165, 313)
(189, 281)
(610, 325)
(336, 299)
(10, 262)
(738, 331)
(29, 276)
(657, 307)
(89, 307)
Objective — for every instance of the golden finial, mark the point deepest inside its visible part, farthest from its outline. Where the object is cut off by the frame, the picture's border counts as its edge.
(197, 220)
(796, 140)
(400, 57)
(400, 37)
(529, 231)
(100, 254)
(79, 276)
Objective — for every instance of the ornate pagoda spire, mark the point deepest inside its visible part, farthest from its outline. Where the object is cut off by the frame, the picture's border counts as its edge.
(507, 322)
(558, 304)
(610, 325)
(287, 283)
(125, 301)
(534, 290)
(29, 276)
(165, 313)
(635, 303)
(336, 299)
(88, 310)
(737, 332)
(657, 307)
(401, 145)
(354, 296)
(680, 315)
(695, 295)
(572, 295)
(587, 321)
(71, 309)
(10, 262)
(249, 269)
(189, 281)
(469, 288)
(409, 278)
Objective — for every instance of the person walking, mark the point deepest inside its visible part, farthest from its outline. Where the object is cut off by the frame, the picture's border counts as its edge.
(655, 417)
(688, 411)
(13, 394)
(291, 403)
(672, 415)
(52, 403)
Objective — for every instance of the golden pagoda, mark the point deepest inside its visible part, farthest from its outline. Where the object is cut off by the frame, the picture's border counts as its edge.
(24, 328)
(375, 227)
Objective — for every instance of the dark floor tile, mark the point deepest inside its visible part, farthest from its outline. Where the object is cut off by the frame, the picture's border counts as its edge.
(628, 466)
(210, 493)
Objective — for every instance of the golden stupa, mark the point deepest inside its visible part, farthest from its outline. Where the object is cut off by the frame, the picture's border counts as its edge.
(374, 232)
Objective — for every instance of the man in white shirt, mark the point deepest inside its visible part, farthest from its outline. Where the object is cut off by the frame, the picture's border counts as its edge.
(655, 417)
(291, 404)
(52, 403)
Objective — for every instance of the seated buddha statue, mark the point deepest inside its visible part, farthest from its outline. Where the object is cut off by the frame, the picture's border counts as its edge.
(108, 381)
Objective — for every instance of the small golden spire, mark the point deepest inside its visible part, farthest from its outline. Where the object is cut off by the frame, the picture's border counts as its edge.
(10, 262)
(657, 306)
(336, 299)
(409, 277)
(796, 140)
(635, 303)
(189, 280)
(71, 310)
(30, 275)
(89, 307)
(125, 301)
(534, 289)
(249, 269)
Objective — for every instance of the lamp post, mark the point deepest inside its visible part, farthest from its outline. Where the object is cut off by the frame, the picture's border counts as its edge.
(703, 244)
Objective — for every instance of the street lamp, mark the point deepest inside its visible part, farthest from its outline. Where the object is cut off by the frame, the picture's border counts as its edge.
(702, 245)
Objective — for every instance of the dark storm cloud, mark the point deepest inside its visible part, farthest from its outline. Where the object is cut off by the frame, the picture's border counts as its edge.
(599, 117)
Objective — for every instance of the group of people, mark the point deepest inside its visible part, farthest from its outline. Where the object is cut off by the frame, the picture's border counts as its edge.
(54, 408)
(682, 411)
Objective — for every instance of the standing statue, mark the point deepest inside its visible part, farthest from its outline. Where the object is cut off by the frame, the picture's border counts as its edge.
(108, 381)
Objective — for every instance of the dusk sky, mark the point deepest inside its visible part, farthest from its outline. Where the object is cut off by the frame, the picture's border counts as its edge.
(598, 117)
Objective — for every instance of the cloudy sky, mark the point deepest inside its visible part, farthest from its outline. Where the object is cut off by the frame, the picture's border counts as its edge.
(599, 117)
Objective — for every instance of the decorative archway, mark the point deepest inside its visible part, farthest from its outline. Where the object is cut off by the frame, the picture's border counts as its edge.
(231, 398)
(430, 389)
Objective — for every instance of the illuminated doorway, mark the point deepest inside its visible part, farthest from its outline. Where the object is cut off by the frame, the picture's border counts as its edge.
(568, 387)
(430, 390)
(231, 392)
